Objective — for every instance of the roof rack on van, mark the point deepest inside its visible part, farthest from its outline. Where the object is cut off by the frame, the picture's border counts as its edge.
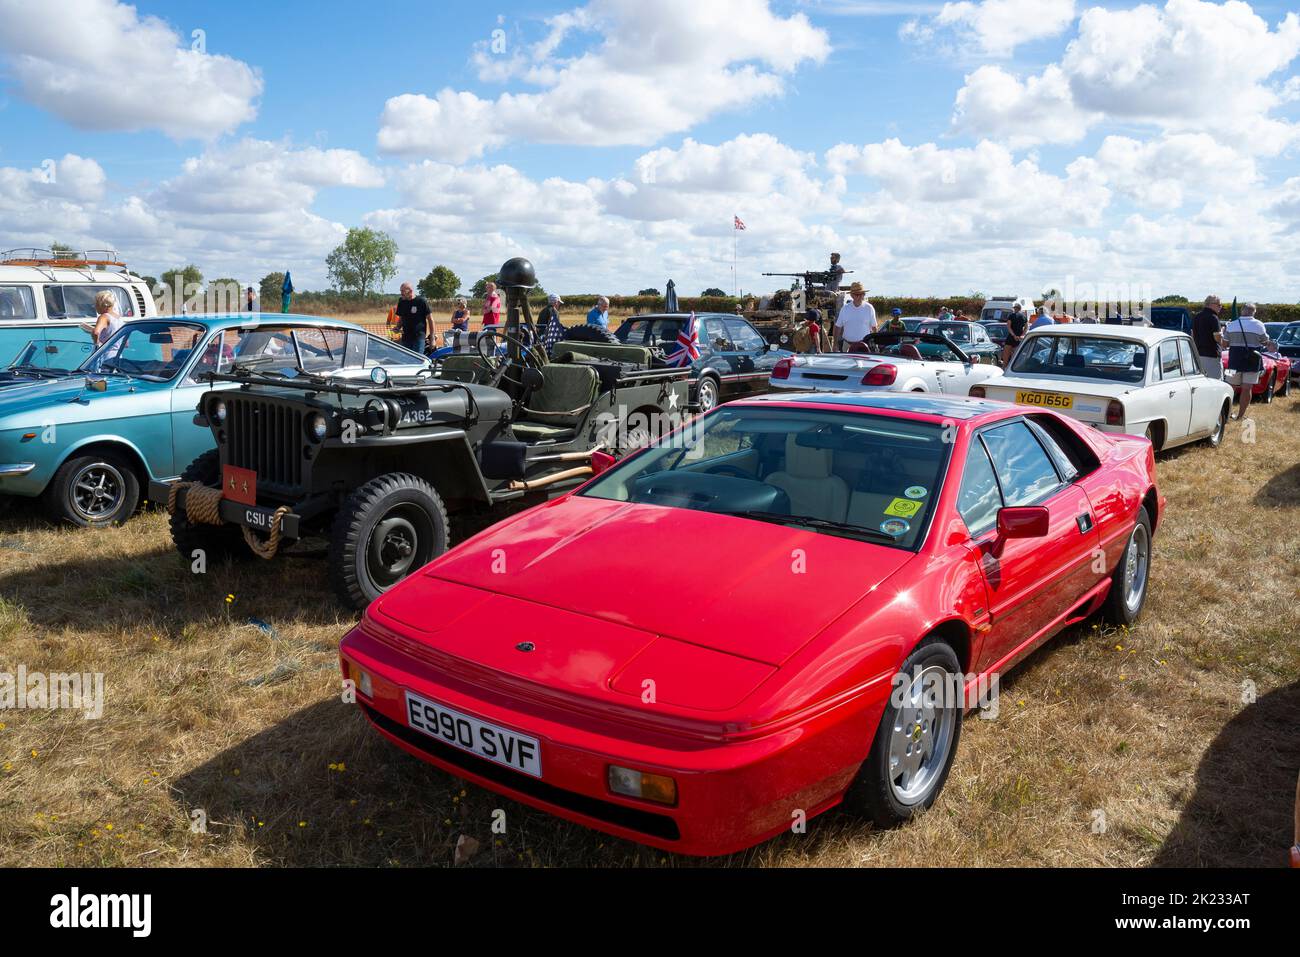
(84, 260)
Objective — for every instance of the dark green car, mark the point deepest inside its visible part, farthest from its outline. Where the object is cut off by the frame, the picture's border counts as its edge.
(970, 337)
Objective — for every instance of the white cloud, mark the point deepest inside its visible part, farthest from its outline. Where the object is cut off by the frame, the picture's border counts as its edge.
(1191, 66)
(994, 28)
(46, 204)
(1041, 109)
(239, 210)
(657, 68)
(1162, 173)
(101, 66)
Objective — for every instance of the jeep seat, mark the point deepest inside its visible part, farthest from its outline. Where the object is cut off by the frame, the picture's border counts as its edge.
(463, 367)
(555, 410)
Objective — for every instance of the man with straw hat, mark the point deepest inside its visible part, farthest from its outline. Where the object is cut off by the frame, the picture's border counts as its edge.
(855, 321)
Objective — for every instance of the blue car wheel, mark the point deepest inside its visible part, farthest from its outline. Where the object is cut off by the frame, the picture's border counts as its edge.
(93, 490)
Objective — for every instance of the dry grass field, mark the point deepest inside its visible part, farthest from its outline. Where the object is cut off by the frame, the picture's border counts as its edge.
(1155, 732)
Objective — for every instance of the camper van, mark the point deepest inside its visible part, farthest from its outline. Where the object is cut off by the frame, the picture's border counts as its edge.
(999, 308)
(47, 299)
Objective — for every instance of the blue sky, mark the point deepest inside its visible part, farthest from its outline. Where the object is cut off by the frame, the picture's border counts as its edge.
(1016, 144)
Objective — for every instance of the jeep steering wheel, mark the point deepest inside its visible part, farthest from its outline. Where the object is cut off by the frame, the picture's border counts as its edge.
(495, 361)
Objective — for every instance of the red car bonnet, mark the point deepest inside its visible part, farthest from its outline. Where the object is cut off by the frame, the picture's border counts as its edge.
(653, 569)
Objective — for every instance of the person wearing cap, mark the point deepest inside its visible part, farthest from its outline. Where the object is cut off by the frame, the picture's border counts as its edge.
(895, 321)
(1208, 335)
(809, 336)
(548, 320)
(855, 321)
(945, 314)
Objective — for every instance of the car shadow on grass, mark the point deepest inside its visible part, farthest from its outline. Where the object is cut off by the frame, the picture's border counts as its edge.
(322, 788)
(1241, 812)
(1283, 489)
(86, 589)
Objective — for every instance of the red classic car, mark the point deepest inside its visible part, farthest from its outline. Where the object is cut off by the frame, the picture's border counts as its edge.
(1275, 379)
(783, 606)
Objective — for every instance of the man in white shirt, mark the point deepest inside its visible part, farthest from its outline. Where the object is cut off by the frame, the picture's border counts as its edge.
(1247, 337)
(856, 320)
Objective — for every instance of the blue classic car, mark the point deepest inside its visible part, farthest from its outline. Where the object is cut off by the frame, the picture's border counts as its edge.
(88, 443)
(735, 360)
(46, 357)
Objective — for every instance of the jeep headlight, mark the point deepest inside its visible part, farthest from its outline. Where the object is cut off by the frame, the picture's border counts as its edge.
(317, 427)
(217, 411)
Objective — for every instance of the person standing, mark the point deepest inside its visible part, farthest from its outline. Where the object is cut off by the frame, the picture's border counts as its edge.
(1017, 326)
(599, 314)
(249, 298)
(1208, 336)
(491, 305)
(855, 321)
(895, 322)
(1042, 319)
(548, 321)
(107, 319)
(413, 319)
(835, 275)
(460, 317)
(1247, 337)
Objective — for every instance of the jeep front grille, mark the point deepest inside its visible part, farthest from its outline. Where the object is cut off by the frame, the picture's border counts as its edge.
(266, 437)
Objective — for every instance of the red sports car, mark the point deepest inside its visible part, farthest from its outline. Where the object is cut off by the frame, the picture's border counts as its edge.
(783, 606)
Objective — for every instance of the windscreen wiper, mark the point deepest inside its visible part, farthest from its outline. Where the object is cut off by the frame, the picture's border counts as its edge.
(821, 524)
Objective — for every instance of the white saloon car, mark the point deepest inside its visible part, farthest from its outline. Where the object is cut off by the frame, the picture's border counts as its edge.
(896, 362)
(1133, 379)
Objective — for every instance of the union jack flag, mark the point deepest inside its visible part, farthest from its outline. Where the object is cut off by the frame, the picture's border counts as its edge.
(688, 344)
(739, 224)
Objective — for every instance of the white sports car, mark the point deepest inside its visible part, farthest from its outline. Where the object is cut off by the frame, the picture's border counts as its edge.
(896, 362)
(1133, 379)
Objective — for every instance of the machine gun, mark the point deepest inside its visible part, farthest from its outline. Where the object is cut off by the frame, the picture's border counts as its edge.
(812, 279)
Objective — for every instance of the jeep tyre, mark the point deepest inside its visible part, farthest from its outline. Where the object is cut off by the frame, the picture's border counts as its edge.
(384, 530)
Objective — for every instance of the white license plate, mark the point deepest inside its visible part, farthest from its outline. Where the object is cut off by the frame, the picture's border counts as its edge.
(490, 741)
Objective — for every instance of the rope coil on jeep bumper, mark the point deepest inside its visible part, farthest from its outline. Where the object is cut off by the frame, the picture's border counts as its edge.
(203, 507)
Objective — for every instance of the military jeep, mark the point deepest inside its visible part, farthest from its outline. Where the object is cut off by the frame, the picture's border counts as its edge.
(381, 467)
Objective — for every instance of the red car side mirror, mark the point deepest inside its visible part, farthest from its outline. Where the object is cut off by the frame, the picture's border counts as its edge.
(601, 462)
(1027, 522)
